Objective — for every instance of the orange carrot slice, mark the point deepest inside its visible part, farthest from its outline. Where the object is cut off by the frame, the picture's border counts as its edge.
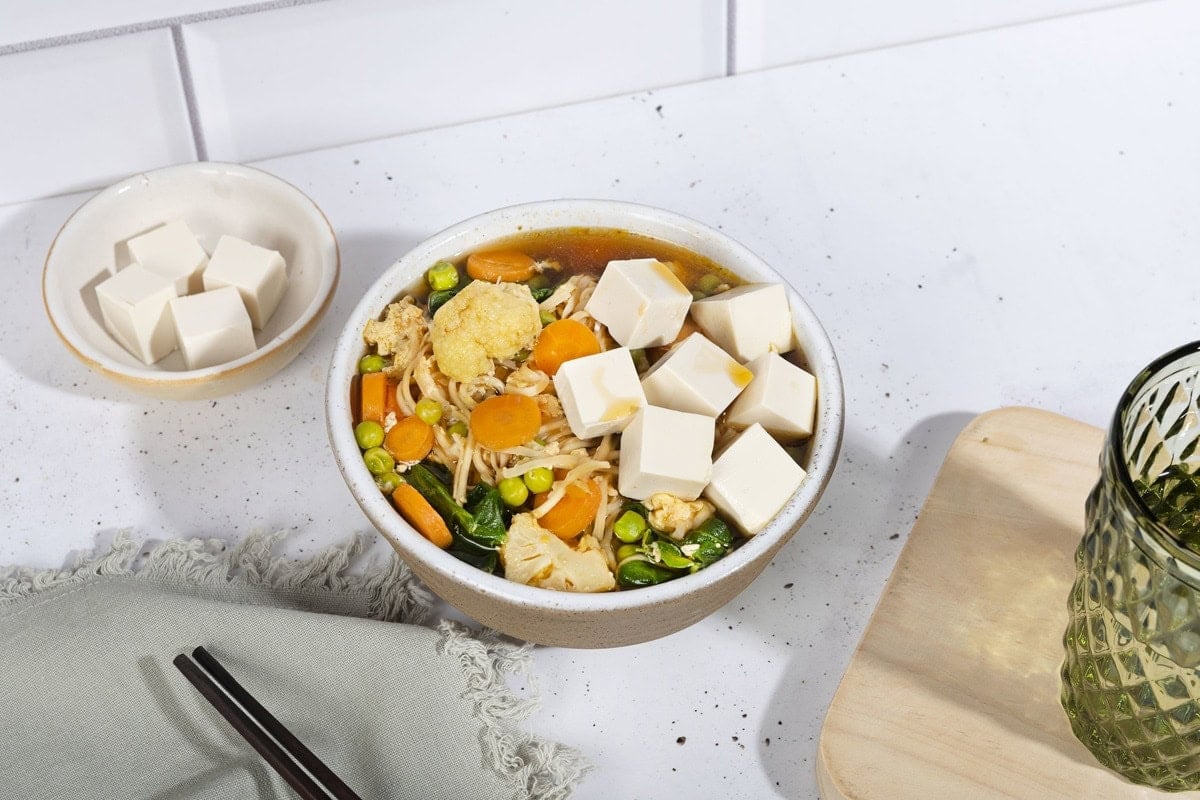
(410, 439)
(562, 341)
(417, 512)
(573, 513)
(505, 421)
(500, 265)
(374, 396)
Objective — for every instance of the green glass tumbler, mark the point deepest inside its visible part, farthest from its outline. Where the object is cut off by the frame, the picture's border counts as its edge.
(1131, 678)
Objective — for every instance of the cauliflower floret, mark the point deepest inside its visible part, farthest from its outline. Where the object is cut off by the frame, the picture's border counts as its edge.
(399, 333)
(550, 406)
(534, 556)
(482, 322)
(675, 515)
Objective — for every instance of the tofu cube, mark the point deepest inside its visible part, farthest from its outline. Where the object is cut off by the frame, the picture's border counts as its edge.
(212, 327)
(259, 275)
(641, 301)
(664, 450)
(752, 479)
(748, 320)
(782, 398)
(696, 376)
(173, 252)
(135, 304)
(600, 393)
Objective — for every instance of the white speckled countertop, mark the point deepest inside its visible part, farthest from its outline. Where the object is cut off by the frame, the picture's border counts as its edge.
(1002, 218)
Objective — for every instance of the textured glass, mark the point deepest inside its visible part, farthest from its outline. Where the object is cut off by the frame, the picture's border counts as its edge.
(1131, 678)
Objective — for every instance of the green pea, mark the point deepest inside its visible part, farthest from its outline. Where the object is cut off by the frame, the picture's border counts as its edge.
(368, 434)
(379, 461)
(388, 482)
(538, 479)
(513, 491)
(428, 410)
(548, 317)
(457, 429)
(521, 356)
(629, 527)
(708, 283)
(626, 550)
(371, 363)
(698, 295)
(641, 362)
(539, 281)
(442, 276)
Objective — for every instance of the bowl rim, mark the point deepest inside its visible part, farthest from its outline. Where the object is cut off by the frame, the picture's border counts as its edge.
(827, 435)
(147, 375)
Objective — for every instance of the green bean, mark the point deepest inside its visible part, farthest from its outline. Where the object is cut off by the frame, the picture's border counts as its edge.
(368, 434)
(671, 556)
(640, 572)
(371, 363)
(713, 539)
(538, 479)
(513, 491)
(428, 410)
(379, 461)
(629, 527)
(627, 550)
(442, 276)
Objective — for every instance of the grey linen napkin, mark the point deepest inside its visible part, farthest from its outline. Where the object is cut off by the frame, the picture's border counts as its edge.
(91, 706)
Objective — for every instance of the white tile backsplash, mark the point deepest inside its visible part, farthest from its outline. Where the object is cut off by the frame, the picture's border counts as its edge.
(32, 20)
(82, 115)
(300, 78)
(773, 32)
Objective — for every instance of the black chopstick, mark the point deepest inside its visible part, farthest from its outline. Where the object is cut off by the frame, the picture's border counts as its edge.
(296, 764)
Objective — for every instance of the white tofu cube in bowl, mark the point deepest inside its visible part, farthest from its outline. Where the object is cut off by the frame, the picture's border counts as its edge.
(782, 398)
(600, 393)
(747, 321)
(168, 221)
(641, 301)
(695, 376)
(212, 327)
(259, 275)
(753, 479)
(136, 311)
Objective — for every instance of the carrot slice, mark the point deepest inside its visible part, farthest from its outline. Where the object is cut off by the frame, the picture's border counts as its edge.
(410, 439)
(562, 341)
(390, 405)
(417, 511)
(505, 421)
(573, 513)
(374, 396)
(500, 265)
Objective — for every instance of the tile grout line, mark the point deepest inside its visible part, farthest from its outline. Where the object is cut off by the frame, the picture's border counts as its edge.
(730, 37)
(150, 25)
(189, 92)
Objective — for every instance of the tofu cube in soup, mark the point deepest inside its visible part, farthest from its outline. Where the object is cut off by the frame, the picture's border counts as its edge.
(696, 376)
(212, 327)
(752, 480)
(599, 393)
(259, 275)
(748, 320)
(641, 302)
(172, 251)
(664, 450)
(782, 398)
(135, 306)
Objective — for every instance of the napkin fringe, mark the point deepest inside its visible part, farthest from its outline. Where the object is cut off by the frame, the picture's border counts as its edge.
(543, 769)
(394, 594)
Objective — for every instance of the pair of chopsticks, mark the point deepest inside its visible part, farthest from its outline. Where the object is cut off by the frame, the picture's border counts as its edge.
(286, 754)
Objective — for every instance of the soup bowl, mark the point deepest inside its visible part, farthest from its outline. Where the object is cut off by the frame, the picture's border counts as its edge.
(563, 618)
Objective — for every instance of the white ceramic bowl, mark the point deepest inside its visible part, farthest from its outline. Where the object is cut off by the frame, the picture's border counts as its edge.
(213, 199)
(562, 618)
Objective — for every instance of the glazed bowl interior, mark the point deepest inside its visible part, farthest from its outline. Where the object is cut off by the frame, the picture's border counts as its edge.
(213, 199)
(563, 618)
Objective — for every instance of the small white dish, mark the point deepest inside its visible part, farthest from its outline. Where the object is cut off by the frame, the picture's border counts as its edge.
(562, 618)
(213, 199)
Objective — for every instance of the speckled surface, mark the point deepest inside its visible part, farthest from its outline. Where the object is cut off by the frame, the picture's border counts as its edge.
(1003, 218)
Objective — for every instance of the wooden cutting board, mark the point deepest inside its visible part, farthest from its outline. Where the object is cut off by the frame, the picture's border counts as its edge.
(953, 692)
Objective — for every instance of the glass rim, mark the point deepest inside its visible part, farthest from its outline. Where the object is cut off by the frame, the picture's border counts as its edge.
(1116, 442)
